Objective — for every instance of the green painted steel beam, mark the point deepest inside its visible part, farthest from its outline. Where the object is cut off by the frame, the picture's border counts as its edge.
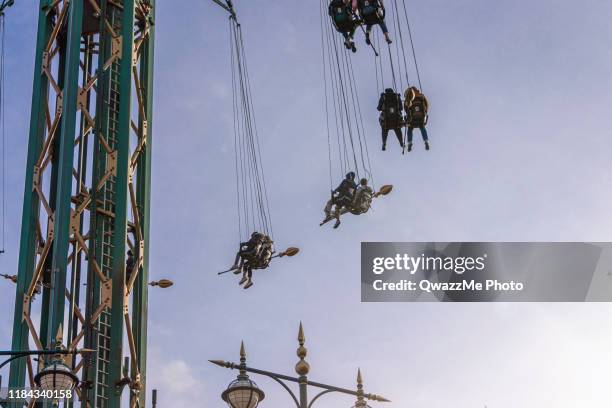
(61, 241)
(45, 334)
(121, 203)
(31, 204)
(143, 197)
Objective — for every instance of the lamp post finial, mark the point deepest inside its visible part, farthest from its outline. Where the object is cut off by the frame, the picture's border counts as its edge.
(302, 367)
(242, 352)
(360, 395)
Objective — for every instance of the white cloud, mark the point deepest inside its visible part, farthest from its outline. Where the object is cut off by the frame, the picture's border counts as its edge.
(175, 380)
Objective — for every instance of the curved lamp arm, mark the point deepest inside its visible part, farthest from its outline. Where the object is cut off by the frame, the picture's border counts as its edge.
(319, 395)
(15, 357)
(286, 387)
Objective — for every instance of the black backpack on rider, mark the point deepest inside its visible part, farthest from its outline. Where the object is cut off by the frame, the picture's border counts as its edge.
(371, 11)
(392, 111)
(339, 12)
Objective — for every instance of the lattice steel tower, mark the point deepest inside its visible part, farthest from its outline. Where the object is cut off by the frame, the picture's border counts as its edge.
(86, 200)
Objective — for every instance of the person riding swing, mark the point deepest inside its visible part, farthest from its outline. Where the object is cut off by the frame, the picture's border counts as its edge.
(362, 201)
(259, 261)
(341, 197)
(363, 198)
(267, 250)
(390, 108)
(256, 253)
(248, 257)
(372, 13)
(417, 108)
(344, 22)
(359, 203)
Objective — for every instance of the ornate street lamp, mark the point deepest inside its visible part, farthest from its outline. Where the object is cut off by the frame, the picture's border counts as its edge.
(56, 376)
(244, 393)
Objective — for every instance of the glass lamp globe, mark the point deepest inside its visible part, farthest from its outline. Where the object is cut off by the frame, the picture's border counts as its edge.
(56, 376)
(242, 393)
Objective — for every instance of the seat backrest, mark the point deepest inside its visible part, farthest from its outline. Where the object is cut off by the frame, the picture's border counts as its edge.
(393, 104)
(368, 5)
(418, 106)
(417, 111)
(363, 200)
(339, 11)
(366, 194)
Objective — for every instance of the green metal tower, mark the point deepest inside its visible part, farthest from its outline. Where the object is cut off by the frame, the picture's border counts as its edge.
(86, 200)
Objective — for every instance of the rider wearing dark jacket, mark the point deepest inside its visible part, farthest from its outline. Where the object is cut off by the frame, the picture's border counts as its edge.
(346, 189)
(345, 24)
(372, 13)
(390, 108)
(253, 254)
(341, 197)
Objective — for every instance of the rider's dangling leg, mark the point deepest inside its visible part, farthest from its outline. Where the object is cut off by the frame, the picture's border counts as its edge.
(328, 210)
(248, 278)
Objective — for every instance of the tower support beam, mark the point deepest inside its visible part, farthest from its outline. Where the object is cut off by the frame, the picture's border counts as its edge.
(86, 200)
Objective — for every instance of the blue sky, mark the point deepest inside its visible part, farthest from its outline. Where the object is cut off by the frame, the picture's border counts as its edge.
(520, 129)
